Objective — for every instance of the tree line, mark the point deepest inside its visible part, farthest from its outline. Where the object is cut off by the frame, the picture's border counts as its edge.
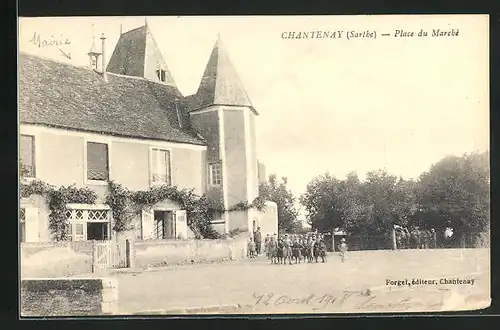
(454, 193)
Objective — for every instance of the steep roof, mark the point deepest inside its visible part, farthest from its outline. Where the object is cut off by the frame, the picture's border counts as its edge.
(62, 95)
(220, 84)
(137, 54)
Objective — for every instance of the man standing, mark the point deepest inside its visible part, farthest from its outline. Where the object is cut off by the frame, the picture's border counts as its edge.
(266, 245)
(257, 237)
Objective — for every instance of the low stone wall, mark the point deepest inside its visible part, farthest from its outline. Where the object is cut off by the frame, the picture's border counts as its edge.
(55, 259)
(69, 297)
(157, 253)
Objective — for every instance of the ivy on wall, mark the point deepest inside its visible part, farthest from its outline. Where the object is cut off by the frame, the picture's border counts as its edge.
(199, 209)
(126, 204)
(258, 204)
(57, 200)
(117, 199)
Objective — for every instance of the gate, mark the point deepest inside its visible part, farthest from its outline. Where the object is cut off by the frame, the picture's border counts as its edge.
(109, 254)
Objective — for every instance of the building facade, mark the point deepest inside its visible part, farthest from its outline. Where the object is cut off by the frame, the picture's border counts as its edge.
(126, 121)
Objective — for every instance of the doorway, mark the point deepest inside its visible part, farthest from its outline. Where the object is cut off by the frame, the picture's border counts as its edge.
(164, 225)
(97, 231)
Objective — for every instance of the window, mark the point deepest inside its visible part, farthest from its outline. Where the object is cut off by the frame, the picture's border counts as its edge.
(79, 229)
(160, 166)
(162, 75)
(98, 215)
(215, 174)
(79, 234)
(27, 156)
(88, 224)
(97, 161)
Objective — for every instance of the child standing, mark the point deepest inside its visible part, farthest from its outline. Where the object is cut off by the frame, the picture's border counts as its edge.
(251, 248)
(343, 249)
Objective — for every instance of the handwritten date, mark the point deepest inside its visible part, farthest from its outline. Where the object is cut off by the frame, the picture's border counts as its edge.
(346, 299)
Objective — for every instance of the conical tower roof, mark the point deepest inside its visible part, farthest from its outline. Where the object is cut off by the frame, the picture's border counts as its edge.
(220, 84)
(137, 54)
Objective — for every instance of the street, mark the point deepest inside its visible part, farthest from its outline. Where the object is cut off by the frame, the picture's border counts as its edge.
(305, 288)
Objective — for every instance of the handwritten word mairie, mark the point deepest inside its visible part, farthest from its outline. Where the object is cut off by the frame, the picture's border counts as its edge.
(40, 42)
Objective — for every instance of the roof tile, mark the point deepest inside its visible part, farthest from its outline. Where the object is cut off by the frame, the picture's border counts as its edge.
(62, 95)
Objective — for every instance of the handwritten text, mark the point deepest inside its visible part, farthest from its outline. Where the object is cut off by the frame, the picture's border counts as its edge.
(348, 299)
(40, 42)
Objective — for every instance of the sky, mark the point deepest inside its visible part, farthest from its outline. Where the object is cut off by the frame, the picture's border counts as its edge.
(326, 105)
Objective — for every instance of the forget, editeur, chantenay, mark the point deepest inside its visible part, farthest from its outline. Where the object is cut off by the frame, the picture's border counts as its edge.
(421, 281)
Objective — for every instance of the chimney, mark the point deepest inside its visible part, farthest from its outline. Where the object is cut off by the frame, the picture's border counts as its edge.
(103, 57)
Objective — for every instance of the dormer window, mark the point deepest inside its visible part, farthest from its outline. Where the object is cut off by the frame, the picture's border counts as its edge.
(162, 75)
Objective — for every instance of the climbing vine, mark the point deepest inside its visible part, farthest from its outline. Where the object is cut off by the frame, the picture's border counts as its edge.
(57, 200)
(199, 209)
(258, 204)
(35, 187)
(117, 199)
(126, 204)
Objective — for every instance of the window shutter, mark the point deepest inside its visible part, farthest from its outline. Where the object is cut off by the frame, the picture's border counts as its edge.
(181, 227)
(147, 224)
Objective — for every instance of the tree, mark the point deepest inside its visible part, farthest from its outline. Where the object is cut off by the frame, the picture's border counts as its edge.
(285, 200)
(455, 193)
(406, 202)
(380, 195)
(323, 203)
(370, 207)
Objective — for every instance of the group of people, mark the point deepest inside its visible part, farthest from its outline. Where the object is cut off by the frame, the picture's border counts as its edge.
(415, 238)
(293, 248)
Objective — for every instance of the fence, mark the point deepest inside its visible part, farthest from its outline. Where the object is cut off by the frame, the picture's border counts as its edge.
(109, 254)
(66, 259)
(423, 240)
(359, 242)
